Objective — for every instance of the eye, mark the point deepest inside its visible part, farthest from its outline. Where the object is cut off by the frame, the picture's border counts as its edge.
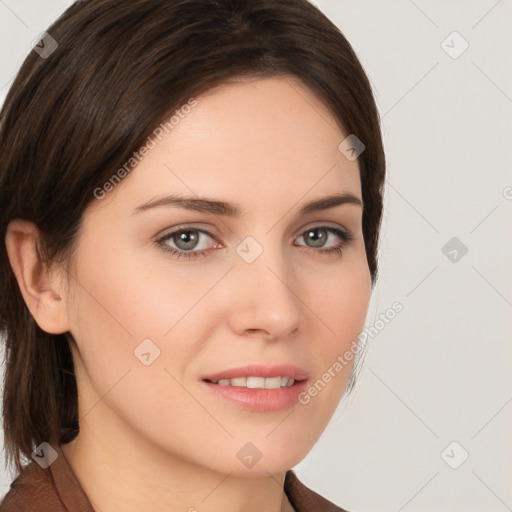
(186, 242)
(319, 235)
(191, 244)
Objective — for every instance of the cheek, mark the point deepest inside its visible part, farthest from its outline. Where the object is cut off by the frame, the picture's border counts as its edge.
(344, 300)
(117, 308)
(345, 304)
(120, 303)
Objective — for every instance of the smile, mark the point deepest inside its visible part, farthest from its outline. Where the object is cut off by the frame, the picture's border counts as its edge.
(257, 387)
(257, 382)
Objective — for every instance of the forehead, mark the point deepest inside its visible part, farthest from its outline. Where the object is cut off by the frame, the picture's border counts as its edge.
(256, 140)
(279, 114)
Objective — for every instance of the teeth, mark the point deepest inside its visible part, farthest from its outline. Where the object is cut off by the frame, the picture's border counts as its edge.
(257, 382)
(272, 383)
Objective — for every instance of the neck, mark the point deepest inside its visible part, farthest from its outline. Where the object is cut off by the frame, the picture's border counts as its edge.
(118, 471)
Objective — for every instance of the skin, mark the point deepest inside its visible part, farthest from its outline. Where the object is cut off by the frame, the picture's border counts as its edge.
(269, 145)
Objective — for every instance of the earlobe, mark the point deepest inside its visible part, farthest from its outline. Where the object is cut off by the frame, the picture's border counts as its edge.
(41, 289)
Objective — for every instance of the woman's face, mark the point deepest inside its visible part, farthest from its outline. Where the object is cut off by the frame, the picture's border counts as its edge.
(154, 326)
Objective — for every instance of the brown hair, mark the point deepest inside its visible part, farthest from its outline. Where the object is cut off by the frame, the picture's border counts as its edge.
(73, 117)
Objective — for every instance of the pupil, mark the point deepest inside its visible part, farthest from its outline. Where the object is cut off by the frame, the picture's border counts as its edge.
(187, 240)
(317, 239)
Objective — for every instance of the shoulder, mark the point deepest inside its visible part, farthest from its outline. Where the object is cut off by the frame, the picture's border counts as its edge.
(33, 489)
(304, 499)
(52, 487)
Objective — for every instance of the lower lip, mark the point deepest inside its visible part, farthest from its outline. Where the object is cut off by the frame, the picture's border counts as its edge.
(260, 400)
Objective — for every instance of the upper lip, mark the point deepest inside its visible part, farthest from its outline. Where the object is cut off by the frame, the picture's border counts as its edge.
(259, 370)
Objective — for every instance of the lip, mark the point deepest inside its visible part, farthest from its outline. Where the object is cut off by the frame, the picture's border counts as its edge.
(259, 370)
(256, 399)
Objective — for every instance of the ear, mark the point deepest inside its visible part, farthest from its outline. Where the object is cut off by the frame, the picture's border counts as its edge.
(42, 290)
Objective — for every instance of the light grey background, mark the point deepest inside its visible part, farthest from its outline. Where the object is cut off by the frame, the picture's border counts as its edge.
(440, 371)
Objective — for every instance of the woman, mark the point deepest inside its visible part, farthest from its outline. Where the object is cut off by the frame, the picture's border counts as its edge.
(191, 199)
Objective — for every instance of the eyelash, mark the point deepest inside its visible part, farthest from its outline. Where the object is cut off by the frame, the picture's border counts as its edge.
(345, 235)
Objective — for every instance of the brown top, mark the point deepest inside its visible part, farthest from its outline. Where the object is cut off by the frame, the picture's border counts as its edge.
(56, 489)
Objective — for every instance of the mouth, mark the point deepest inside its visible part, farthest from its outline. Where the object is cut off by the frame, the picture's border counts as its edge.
(257, 387)
(254, 382)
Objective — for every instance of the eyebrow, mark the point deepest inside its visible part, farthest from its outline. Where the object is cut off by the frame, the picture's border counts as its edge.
(206, 205)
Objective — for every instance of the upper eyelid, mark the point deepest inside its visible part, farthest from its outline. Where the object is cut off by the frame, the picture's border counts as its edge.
(312, 224)
(179, 229)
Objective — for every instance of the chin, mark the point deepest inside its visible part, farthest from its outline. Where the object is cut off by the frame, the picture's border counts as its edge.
(268, 456)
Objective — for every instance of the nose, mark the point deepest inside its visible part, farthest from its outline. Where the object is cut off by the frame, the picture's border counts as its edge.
(264, 296)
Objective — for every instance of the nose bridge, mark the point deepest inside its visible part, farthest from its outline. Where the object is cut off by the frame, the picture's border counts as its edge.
(265, 295)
